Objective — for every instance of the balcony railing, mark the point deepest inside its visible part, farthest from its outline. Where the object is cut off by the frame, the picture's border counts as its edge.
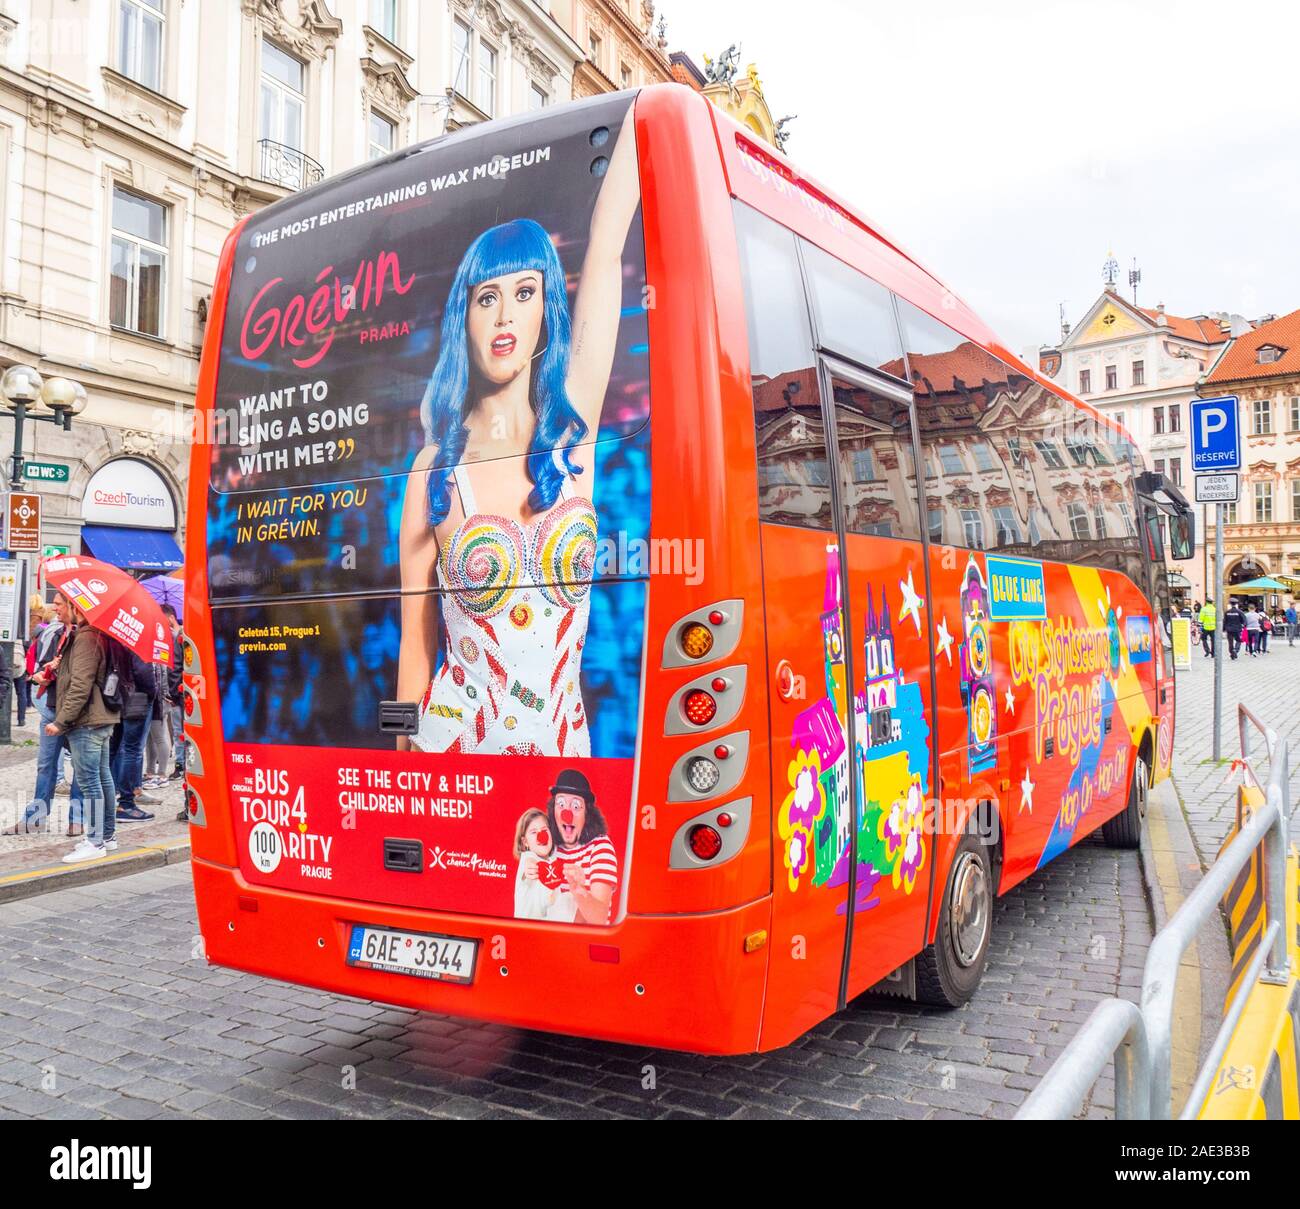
(287, 166)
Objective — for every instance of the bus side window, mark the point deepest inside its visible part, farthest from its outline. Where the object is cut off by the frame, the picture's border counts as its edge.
(794, 485)
(854, 315)
(969, 444)
(874, 440)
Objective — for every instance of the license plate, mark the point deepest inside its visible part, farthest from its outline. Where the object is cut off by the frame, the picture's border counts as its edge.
(447, 958)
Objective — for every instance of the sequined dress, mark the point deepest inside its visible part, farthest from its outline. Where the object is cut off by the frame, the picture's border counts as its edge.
(514, 614)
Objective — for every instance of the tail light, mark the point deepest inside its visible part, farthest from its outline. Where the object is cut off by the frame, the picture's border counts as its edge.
(702, 774)
(712, 632)
(699, 707)
(705, 842)
(696, 640)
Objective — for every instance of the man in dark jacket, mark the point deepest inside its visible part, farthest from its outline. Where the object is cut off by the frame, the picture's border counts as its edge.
(1234, 621)
(82, 714)
(127, 747)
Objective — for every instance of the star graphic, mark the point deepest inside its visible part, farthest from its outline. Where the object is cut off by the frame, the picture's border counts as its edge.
(944, 644)
(1010, 699)
(912, 603)
(1027, 793)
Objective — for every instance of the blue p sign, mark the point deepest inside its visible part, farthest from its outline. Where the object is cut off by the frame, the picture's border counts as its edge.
(1216, 436)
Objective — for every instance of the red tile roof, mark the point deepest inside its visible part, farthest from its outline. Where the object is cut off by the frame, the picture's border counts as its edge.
(1241, 361)
(1206, 330)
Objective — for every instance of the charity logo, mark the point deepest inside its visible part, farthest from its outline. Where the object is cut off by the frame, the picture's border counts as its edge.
(97, 585)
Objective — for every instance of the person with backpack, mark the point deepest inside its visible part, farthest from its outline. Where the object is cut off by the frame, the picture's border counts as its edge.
(86, 690)
(126, 747)
(1265, 629)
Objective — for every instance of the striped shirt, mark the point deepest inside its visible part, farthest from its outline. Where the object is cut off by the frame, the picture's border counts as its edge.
(597, 859)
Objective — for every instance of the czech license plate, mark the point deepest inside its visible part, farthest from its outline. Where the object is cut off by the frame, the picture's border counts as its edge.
(447, 958)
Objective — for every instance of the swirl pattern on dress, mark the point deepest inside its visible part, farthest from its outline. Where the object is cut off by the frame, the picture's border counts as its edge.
(481, 564)
(565, 552)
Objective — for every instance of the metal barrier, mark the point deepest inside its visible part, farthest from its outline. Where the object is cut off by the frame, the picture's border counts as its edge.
(1141, 1041)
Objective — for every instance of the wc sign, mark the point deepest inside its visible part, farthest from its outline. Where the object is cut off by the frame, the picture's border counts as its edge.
(1216, 434)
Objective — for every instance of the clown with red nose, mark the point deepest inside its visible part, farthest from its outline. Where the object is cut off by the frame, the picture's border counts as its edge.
(589, 862)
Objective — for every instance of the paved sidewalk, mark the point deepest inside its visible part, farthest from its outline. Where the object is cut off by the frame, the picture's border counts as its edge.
(1269, 686)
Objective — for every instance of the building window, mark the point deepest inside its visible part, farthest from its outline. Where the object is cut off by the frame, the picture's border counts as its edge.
(1126, 515)
(1139, 374)
(1085, 381)
(537, 97)
(1112, 377)
(1263, 412)
(140, 40)
(950, 459)
(972, 527)
(1078, 514)
(1268, 354)
(1099, 518)
(460, 44)
(864, 466)
(984, 459)
(383, 18)
(1295, 413)
(594, 45)
(1263, 503)
(1051, 455)
(1295, 499)
(382, 137)
(624, 76)
(139, 263)
(1005, 526)
(1016, 452)
(1158, 420)
(1176, 471)
(936, 525)
(486, 98)
(1230, 513)
(1119, 419)
(1158, 464)
(283, 97)
(1175, 417)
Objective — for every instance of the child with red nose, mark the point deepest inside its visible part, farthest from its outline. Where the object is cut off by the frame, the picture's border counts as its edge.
(590, 864)
(540, 889)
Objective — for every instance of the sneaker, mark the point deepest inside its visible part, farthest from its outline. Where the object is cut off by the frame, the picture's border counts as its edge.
(147, 798)
(111, 845)
(183, 816)
(62, 789)
(178, 773)
(133, 814)
(85, 851)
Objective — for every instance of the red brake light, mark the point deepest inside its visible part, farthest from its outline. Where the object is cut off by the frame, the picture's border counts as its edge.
(722, 751)
(704, 841)
(699, 707)
(720, 684)
(717, 617)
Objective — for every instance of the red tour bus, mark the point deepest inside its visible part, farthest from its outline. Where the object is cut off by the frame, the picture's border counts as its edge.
(628, 596)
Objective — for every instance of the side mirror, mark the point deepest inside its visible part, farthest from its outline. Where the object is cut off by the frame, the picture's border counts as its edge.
(1182, 536)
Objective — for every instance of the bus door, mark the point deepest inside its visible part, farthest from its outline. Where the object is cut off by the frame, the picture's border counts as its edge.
(887, 630)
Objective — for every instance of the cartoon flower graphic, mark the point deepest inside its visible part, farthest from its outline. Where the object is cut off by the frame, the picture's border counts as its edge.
(902, 829)
(798, 855)
(806, 802)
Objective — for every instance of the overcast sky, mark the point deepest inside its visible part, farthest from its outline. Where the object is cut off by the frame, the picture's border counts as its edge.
(1010, 144)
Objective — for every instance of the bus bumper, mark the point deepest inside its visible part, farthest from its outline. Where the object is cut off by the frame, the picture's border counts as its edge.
(678, 981)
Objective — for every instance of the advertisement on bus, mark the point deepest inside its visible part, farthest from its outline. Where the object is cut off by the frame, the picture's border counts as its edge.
(430, 501)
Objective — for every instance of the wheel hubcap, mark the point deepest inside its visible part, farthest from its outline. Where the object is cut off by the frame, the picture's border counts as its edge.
(969, 914)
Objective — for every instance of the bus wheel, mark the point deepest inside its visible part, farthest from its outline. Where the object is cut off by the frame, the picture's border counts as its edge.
(1125, 829)
(948, 971)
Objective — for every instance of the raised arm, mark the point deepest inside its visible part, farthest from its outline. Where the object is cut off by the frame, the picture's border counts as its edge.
(600, 289)
(418, 547)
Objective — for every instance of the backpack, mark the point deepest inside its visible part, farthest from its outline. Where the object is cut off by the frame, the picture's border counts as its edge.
(117, 678)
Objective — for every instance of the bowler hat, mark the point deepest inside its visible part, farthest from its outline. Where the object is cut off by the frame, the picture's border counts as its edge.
(572, 781)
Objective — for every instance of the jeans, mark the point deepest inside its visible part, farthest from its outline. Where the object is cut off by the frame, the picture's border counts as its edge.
(92, 770)
(178, 736)
(1252, 641)
(126, 753)
(49, 756)
(20, 699)
(158, 749)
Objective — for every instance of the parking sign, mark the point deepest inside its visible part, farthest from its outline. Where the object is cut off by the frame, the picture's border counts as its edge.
(1216, 434)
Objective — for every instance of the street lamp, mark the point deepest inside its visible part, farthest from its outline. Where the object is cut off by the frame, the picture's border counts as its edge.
(53, 400)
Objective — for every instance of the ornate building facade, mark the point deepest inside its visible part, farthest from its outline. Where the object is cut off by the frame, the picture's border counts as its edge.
(135, 134)
(621, 44)
(1261, 533)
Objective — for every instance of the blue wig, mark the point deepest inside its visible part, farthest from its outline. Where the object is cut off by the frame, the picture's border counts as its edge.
(512, 247)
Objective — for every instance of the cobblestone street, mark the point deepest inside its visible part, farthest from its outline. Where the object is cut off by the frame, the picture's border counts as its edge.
(106, 1011)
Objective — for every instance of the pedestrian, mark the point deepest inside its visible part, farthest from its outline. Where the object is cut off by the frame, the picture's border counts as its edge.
(126, 750)
(1209, 623)
(175, 694)
(1252, 629)
(47, 650)
(82, 714)
(1234, 622)
(18, 669)
(1265, 629)
(1290, 624)
(158, 745)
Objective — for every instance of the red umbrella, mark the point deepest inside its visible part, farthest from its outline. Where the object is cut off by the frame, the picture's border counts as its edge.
(114, 603)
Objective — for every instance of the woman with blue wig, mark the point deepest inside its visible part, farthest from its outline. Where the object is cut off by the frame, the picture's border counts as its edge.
(498, 512)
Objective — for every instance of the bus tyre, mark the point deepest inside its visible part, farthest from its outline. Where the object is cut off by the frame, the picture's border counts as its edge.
(1125, 829)
(948, 971)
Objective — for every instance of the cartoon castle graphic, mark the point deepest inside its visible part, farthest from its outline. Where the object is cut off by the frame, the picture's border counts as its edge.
(880, 679)
(835, 778)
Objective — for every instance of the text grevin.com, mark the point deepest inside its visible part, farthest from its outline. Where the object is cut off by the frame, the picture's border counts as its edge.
(121, 1163)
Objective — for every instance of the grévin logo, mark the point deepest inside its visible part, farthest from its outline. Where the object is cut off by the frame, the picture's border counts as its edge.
(78, 1162)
